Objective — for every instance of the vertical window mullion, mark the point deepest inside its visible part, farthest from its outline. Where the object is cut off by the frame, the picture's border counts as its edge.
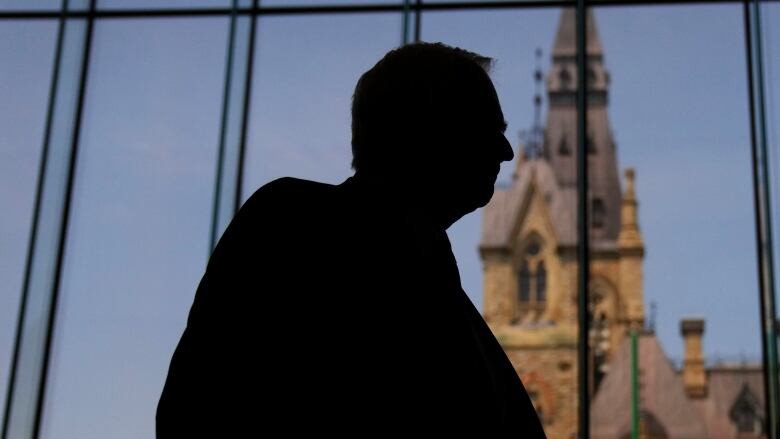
(235, 105)
(762, 200)
(26, 388)
(583, 259)
(417, 20)
(406, 28)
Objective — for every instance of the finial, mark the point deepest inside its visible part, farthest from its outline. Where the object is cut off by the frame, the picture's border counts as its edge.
(538, 71)
(629, 237)
(533, 138)
(630, 192)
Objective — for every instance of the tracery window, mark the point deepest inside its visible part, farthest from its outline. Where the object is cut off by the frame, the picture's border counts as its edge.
(531, 283)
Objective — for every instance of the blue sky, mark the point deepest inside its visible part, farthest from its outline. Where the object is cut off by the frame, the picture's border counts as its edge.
(138, 236)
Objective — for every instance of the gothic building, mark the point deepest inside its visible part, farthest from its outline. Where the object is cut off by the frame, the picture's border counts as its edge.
(529, 254)
(529, 243)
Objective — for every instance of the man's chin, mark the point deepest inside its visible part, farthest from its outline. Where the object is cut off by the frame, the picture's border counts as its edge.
(483, 197)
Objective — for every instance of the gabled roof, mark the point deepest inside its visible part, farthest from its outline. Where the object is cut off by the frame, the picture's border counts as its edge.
(501, 215)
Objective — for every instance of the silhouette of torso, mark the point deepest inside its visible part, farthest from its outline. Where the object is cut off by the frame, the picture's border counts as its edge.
(325, 309)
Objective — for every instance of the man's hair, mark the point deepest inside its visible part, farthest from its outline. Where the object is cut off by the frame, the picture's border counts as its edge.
(406, 94)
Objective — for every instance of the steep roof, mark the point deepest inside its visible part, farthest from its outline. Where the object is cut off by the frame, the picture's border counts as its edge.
(662, 394)
(724, 385)
(566, 36)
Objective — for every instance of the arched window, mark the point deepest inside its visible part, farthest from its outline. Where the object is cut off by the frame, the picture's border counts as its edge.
(524, 287)
(531, 283)
(541, 283)
(565, 79)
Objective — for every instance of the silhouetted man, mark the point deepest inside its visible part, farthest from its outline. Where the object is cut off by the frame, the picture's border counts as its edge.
(338, 309)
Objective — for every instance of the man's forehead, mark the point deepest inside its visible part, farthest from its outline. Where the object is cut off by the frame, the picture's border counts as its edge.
(485, 111)
(470, 99)
(484, 98)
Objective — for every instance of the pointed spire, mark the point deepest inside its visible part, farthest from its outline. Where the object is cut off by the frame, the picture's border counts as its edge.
(561, 134)
(566, 36)
(629, 218)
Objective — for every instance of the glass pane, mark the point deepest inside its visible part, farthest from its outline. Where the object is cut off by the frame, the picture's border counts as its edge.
(305, 73)
(525, 239)
(674, 256)
(138, 233)
(163, 4)
(27, 5)
(327, 3)
(53, 194)
(27, 48)
(770, 22)
(485, 1)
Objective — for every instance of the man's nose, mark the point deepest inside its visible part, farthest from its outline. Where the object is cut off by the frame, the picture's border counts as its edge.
(505, 153)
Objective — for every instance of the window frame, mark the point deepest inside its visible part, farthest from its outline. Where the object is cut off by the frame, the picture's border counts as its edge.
(88, 11)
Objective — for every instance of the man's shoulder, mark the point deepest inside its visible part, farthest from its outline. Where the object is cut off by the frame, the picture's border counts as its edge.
(284, 184)
(273, 211)
(288, 190)
(288, 199)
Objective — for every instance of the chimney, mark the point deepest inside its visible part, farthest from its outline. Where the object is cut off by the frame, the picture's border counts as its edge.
(693, 374)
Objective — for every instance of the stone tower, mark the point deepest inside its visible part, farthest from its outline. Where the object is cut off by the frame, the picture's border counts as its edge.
(529, 243)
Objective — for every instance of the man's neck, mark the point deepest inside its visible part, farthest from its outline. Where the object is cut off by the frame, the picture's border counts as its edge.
(411, 197)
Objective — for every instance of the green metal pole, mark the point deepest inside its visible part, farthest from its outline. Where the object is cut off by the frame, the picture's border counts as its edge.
(634, 385)
(768, 279)
(762, 201)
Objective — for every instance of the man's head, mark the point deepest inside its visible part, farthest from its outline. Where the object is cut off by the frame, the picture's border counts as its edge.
(427, 117)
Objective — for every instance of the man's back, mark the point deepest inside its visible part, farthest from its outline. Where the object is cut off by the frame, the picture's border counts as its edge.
(325, 308)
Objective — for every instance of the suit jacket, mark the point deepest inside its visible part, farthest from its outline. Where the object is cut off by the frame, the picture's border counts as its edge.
(326, 309)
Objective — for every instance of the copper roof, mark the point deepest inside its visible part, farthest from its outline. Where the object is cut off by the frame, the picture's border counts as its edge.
(662, 394)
